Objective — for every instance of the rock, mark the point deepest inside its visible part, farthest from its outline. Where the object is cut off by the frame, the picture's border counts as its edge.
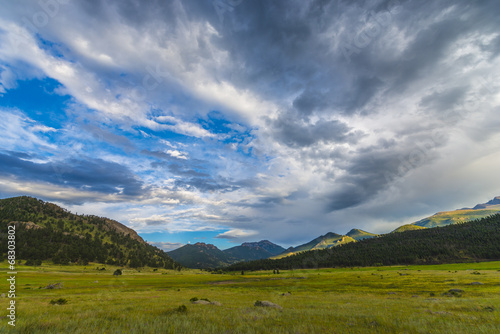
(453, 293)
(476, 283)
(265, 303)
(286, 294)
(205, 302)
(201, 302)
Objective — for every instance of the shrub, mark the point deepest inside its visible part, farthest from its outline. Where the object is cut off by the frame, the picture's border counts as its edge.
(60, 301)
(181, 309)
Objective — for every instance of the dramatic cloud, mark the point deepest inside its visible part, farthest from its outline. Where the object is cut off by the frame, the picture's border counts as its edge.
(91, 174)
(278, 120)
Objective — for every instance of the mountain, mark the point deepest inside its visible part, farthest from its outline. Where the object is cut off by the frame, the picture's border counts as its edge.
(468, 242)
(45, 231)
(204, 256)
(254, 250)
(494, 202)
(357, 234)
(325, 241)
(462, 215)
(408, 227)
(439, 219)
(201, 256)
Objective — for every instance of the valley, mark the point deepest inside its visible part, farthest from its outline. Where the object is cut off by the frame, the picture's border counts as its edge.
(394, 299)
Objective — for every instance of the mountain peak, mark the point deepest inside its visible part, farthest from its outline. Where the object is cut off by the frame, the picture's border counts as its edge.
(262, 244)
(265, 248)
(358, 234)
(494, 201)
(204, 245)
(330, 235)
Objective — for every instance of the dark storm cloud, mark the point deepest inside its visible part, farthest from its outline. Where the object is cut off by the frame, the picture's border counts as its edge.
(444, 100)
(493, 47)
(294, 132)
(373, 169)
(90, 174)
(293, 50)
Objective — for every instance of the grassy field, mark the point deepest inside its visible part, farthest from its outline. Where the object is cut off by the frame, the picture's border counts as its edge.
(358, 300)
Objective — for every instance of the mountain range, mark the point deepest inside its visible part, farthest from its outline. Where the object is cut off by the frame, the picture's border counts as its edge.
(461, 215)
(473, 241)
(86, 238)
(437, 220)
(201, 255)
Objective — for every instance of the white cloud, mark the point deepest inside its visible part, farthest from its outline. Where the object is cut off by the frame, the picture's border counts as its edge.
(167, 246)
(20, 132)
(236, 234)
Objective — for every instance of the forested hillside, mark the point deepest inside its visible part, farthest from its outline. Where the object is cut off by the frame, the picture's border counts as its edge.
(472, 241)
(45, 231)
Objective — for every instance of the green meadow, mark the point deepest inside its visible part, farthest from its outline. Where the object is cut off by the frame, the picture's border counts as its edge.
(399, 299)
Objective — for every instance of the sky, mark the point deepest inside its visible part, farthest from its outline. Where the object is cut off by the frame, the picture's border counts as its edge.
(229, 121)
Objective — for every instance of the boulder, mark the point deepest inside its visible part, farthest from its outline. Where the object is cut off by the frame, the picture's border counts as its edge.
(265, 303)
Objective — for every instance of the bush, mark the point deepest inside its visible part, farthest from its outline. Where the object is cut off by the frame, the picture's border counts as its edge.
(181, 309)
(117, 272)
(60, 301)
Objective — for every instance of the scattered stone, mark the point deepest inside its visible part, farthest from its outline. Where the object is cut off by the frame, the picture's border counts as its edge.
(58, 285)
(96, 281)
(476, 283)
(453, 293)
(205, 302)
(201, 302)
(3, 295)
(391, 293)
(265, 303)
(414, 296)
(286, 293)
